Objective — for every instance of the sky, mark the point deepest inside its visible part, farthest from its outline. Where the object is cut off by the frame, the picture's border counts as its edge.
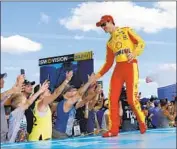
(34, 30)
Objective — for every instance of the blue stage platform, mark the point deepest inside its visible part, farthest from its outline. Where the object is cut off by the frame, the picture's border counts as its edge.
(155, 138)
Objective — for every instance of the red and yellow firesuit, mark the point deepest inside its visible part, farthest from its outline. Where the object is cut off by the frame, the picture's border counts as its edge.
(121, 42)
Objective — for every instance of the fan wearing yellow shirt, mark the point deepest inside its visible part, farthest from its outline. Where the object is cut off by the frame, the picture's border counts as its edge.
(124, 46)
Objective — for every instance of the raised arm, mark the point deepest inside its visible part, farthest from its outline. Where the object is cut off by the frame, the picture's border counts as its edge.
(17, 88)
(29, 102)
(91, 79)
(59, 90)
(169, 116)
(81, 91)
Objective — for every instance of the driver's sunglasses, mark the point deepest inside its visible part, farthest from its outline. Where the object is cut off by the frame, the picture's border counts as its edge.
(103, 24)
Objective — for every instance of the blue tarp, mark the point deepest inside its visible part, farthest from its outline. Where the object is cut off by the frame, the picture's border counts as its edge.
(168, 92)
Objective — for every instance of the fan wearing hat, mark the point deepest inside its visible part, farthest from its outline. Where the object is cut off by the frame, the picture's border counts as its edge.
(27, 92)
(6, 101)
(17, 119)
(124, 45)
(42, 127)
(66, 108)
(28, 88)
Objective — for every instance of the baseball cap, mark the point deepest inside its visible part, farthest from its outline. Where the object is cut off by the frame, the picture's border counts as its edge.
(3, 75)
(26, 82)
(36, 88)
(105, 18)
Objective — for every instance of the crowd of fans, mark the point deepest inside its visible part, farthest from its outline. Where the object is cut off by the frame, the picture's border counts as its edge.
(160, 113)
(32, 112)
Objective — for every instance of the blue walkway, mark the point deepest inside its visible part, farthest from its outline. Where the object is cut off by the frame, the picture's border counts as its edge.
(156, 138)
